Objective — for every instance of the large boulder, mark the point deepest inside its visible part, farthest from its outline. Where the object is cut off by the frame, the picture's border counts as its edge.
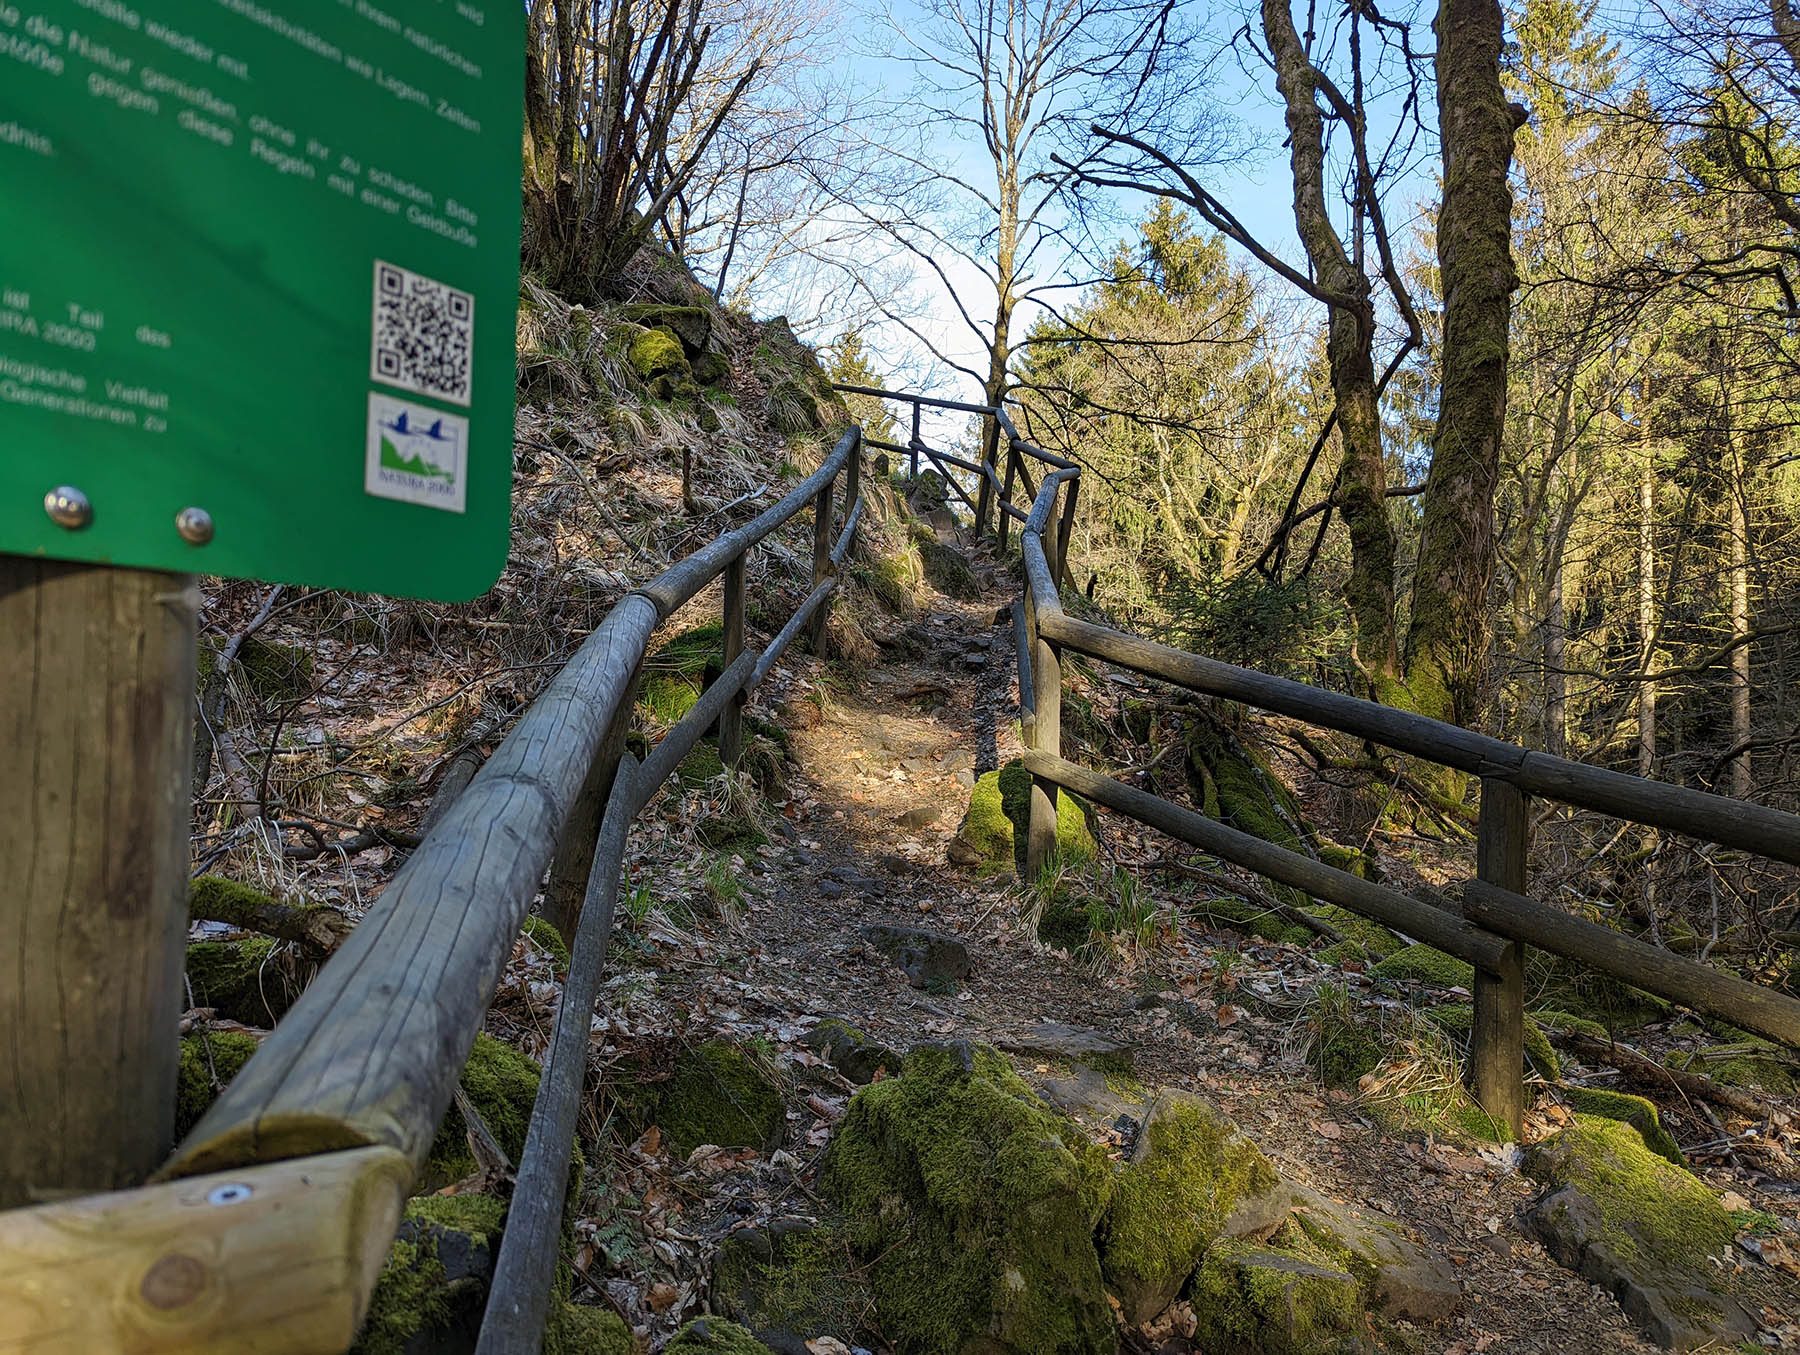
(1641, 1228)
(993, 831)
(973, 1206)
(1192, 1179)
(1397, 1277)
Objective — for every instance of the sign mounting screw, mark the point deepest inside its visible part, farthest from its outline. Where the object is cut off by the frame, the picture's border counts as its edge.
(68, 507)
(195, 526)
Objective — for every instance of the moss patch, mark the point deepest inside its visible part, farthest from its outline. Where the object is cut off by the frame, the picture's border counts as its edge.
(1422, 964)
(658, 352)
(208, 1063)
(501, 1083)
(974, 1206)
(242, 980)
(675, 675)
(715, 1336)
(576, 1329)
(719, 1095)
(999, 815)
(1635, 1111)
(1266, 1301)
(544, 935)
(1191, 1170)
(274, 672)
(792, 1280)
(1368, 937)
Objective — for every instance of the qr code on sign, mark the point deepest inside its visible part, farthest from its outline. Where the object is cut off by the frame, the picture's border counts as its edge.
(424, 334)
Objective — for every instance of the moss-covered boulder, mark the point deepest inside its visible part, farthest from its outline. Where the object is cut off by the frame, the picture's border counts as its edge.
(657, 352)
(1252, 1300)
(245, 980)
(947, 571)
(973, 1206)
(433, 1288)
(852, 1052)
(692, 325)
(1423, 964)
(1192, 1179)
(790, 1281)
(715, 1336)
(209, 1060)
(502, 1084)
(1639, 1227)
(719, 1095)
(994, 830)
(1397, 1277)
(1635, 1111)
(676, 675)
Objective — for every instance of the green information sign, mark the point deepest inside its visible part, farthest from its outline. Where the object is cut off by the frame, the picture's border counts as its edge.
(259, 285)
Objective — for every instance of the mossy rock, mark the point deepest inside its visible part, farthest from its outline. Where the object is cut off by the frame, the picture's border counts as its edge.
(209, 1060)
(718, 1095)
(1343, 1052)
(1458, 1018)
(1423, 964)
(791, 1280)
(546, 938)
(994, 830)
(275, 673)
(852, 1052)
(715, 1336)
(973, 1206)
(242, 980)
(947, 571)
(1349, 860)
(1254, 1300)
(677, 674)
(1572, 987)
(692, 325)
(709, 370)
(1635, 1111)
(1065, 926)
(894, 580)
(1193, 1178)
(1638, 1226)
(432, 1290)
(1398, 1277)
(1366, 937)
(501, 1083)
(657, 352)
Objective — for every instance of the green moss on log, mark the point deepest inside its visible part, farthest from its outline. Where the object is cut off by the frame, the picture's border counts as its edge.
(974, 1207)
(1422, 964)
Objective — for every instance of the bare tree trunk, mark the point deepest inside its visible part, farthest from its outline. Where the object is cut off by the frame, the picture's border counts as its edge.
(1446, 646)
(1349, 348)
(1646, 616)
(1740, 623)
(1556, 650)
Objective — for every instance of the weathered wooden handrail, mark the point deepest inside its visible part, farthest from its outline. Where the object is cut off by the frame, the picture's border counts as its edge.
(1499, 918)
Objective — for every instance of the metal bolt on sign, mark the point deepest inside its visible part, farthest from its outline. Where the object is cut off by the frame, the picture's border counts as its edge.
(195, 525)
(68, 507)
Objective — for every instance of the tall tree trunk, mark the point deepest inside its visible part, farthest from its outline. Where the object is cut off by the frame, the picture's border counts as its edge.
(1740, 622)
(1646, 616)
(1349, 351)
(1006, 260)
(1446, 647)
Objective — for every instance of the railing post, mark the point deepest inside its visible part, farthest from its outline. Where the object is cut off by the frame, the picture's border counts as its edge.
(1497, 1038)
(1044, 732)
(821, 564)
(1006, 493)
(1059, 563)
(913, 446)
(985, 497)
(574, 860)
(731, 719)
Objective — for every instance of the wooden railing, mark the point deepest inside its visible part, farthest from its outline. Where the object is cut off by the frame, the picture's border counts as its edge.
(276, 1212)
(1496, 919)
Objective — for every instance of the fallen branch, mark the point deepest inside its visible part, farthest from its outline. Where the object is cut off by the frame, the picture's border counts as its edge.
(317, 930)
(364, 839)
(1647, 1072)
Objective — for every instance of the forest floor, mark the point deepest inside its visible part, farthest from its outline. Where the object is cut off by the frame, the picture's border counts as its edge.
(883, 763)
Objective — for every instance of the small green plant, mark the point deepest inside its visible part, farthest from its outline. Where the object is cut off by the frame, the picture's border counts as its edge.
(638, 904)
(723, 888)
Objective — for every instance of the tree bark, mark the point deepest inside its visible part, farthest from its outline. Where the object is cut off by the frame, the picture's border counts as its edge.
(1740, 623)
(1447, 644)
(1349, 351)
(1646, 616)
